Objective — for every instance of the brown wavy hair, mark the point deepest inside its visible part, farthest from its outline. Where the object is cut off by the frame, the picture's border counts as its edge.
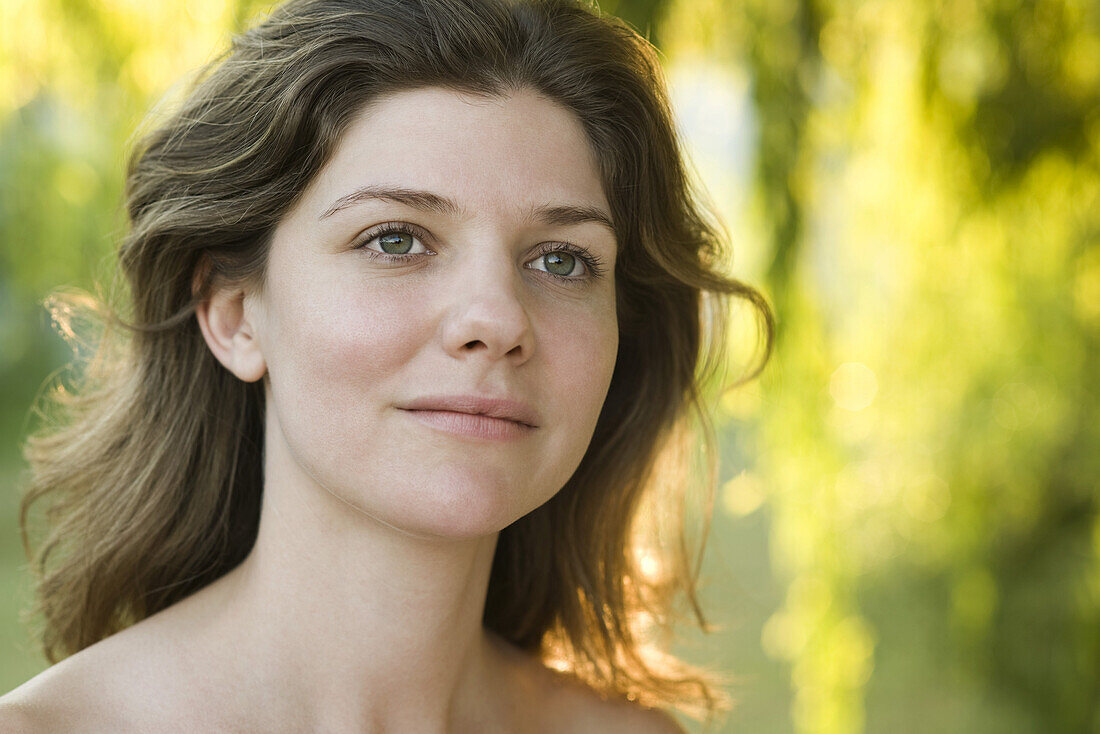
(149, 464)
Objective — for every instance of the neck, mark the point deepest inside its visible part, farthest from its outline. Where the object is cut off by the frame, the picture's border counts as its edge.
(344, 623)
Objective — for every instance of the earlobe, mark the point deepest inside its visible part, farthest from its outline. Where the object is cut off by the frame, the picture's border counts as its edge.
(230, 334)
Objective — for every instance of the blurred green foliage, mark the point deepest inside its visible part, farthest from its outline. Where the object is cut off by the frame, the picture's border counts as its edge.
(908, 534)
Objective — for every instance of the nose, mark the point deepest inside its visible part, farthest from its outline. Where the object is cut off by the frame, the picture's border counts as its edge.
(486, 315)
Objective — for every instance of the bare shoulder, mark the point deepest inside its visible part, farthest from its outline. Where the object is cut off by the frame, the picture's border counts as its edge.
(577, 708)
(653, 721)
(48, 702)
(89, 691)
(615, 717)
(562, 703)
(17, 717)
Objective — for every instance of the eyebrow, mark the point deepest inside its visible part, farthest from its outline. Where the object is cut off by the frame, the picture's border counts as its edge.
(552, 214)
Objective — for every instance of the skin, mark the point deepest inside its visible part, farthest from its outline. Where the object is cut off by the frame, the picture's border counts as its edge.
(359, 609)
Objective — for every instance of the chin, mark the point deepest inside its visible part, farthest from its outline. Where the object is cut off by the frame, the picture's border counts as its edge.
(460, 510)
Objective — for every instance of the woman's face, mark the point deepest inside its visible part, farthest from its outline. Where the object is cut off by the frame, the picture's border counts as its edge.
(483, 290)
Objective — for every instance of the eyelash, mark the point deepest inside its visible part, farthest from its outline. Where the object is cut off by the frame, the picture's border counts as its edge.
(592, 263)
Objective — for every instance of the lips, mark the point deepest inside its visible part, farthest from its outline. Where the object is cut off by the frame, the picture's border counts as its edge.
(494, 407)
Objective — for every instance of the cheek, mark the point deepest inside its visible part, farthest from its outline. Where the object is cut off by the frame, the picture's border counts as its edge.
(357, 330)
(371, 332)
(578, 357)
(581, 357)
(338, 351)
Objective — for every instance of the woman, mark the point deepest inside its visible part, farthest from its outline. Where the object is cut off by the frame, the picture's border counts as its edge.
(422, 306)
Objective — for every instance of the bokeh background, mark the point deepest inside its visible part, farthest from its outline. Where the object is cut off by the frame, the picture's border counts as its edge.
(907, 535)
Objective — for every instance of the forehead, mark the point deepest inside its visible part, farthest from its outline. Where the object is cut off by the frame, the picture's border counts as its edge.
(492, 154)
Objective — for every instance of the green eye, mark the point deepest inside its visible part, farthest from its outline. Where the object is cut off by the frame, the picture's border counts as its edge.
(396, 243)
(559, 263)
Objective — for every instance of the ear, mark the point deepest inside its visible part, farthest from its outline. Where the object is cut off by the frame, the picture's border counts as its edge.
(227, 326)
